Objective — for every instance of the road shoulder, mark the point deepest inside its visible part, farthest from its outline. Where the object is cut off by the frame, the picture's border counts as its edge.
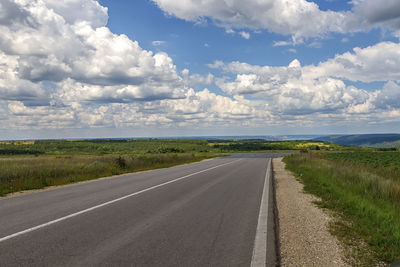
(303, 227)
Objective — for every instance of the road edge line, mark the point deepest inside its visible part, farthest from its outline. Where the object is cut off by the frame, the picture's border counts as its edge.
(259, 257)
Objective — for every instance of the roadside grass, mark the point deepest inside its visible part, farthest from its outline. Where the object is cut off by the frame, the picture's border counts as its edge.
(385, 164)
(366, 205)
(18, 173)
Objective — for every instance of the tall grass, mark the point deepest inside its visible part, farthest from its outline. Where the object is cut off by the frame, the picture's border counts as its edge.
(384, 164)
(19, 173)
(368, 204)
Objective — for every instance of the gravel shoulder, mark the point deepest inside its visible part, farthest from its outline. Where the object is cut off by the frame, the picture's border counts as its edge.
(303, 227)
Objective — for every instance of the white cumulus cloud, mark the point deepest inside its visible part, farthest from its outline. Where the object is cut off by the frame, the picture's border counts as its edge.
(385, 13)
(62, 67)
(297, 89)
(64, 41)
(379, 62)
(299, 18)
(245, 35)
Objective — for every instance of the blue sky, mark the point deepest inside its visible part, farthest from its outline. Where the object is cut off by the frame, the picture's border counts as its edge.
(113, 68)
(143, 21)
(193, 46)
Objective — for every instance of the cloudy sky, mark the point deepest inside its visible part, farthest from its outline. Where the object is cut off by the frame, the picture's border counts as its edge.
(116, 68)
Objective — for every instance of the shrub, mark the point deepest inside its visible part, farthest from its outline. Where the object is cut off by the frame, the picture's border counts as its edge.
(120, 162)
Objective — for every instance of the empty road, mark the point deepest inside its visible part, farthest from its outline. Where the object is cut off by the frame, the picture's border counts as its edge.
(200, 214)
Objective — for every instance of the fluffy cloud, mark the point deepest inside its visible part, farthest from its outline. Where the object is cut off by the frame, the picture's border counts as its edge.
(320, 89)
(389, 96)
(299, 18)
(24, 117)
(254, 79)
(74, 11)
(374, 63)
(210, 106)
(245, 35)
(61, 67)
(297, 95)
(325, 95)
(201, 108)
(378, 13)
(71, 91)
(18, 108)
(195, 79)
(14, 88)
(64, 41)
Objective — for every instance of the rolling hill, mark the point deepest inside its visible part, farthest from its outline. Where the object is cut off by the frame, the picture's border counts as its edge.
(364, 140)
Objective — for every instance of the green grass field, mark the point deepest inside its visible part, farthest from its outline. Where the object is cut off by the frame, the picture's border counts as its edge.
(375, 159)
(363, 190)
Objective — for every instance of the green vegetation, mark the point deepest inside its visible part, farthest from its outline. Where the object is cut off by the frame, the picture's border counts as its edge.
(104, 146)
(363, 190)
(143, 146)
(262, 145)
(365, 140)
(385, 164)
(374, 159)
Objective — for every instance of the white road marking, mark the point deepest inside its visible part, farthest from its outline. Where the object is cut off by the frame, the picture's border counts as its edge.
(260, 243)
(107, 203)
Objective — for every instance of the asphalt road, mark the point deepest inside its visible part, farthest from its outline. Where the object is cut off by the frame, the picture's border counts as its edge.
(201, 214)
